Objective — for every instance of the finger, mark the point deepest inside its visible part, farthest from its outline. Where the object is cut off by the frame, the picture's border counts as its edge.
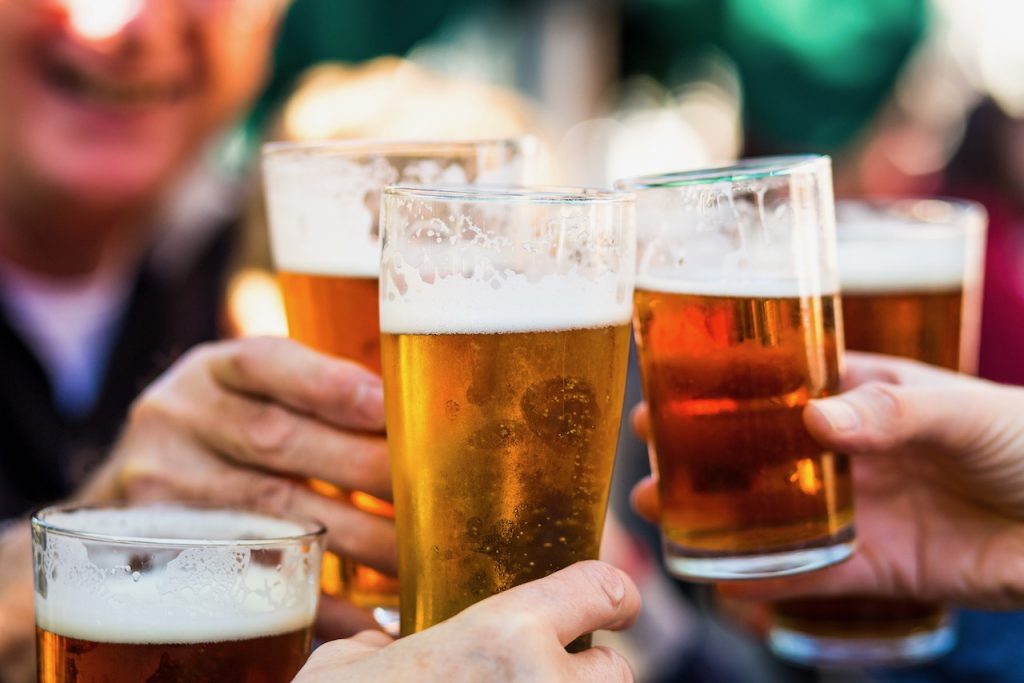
(373, 638)
(364, 537)
(862, 368)
(340, 392)
(255, 432)
(645, 499)
(330, 658)
(337, 618)
(877, 416)
(579, 599)
(600, 664)
(640, 418)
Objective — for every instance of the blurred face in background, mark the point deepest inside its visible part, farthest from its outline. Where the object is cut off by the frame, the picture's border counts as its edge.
(102, 102)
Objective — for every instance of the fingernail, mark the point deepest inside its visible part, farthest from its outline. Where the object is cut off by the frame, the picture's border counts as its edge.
(840, 414)
(370, 403)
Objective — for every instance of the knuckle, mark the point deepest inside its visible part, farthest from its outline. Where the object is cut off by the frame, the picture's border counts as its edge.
(887, 410)
(270, 431)
(606, 580)
(270, 494)
(249, 355)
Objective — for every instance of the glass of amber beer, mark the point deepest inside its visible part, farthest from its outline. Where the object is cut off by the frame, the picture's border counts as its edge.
(323, 201)
(505, 335)
(737, 327)
(910, 273)
(173, 593)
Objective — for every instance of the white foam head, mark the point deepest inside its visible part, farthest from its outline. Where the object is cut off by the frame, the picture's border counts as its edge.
(87, 589)
(763, 288)
(323, 200)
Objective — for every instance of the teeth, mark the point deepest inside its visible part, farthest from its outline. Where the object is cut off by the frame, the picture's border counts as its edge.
(99, 92)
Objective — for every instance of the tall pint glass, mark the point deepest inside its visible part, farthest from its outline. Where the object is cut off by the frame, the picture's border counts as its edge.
(737, 327)
(173, 593)
(323, 201)
(910, 272)
(505, 335)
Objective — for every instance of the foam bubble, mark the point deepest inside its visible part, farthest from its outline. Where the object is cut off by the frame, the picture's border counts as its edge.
(773, 288)
(99, 591)
(512, 303)
(927, 261)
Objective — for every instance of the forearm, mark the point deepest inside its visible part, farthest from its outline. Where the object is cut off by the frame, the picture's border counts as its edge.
(17, 617)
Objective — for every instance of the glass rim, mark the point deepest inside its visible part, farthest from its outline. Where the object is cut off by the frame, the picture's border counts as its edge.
(388, 146)
(962, 208)
(752, 168)
(312, 528)
(510, 194)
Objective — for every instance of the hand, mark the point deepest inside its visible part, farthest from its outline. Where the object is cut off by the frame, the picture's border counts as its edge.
(246, 423)
(518, 635)
(939, 475)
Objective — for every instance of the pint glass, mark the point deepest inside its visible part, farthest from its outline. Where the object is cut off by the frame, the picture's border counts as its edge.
(172, 593)
(737, 327)
(505, 336)
(910, 272)
(323, 201)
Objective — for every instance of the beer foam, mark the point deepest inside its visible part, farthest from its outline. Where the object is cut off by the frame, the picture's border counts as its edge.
(456, 305)
(322, 211)
(88, 589)
(766, 288)
(927, 262)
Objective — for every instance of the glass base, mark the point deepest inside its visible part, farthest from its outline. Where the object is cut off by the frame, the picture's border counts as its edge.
(685, 563)
(825, 651)
(388, 619)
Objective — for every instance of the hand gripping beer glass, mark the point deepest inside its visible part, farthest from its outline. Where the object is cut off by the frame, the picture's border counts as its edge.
(173, 593)
(737, 327)
(505, 335)
(910, 272)
(323, 201)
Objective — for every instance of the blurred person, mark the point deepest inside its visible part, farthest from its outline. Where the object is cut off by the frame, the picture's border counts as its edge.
(939, 471)
(113, 252)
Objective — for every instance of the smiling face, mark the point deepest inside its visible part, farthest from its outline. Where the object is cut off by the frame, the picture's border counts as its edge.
(105, 114)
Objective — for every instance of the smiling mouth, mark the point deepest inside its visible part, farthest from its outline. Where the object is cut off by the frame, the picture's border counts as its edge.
(107, 92)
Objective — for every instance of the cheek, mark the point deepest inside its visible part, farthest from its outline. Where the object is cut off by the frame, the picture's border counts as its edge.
(236, 67)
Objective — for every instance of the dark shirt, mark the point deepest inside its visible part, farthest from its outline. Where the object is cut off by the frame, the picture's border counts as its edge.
(45, 455)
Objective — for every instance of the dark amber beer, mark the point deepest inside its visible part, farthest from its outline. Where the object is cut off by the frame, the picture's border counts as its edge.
(727, 378)
(268, 658)
(170, 593)
(322, 201)
(504, 370)
(910, 274)
(737, 328)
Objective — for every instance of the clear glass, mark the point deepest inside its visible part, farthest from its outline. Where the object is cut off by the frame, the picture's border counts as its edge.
(170, 592)
(910, 272)
(323, 201)
(737, 327)
(505, 336)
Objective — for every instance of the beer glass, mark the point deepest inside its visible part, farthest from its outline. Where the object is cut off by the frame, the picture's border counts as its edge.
(910, 272)
(173, 593)
(505, 335)
(323, 200)
(737, 327)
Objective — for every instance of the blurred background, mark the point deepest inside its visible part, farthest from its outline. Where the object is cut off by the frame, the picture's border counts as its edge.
(910, 97)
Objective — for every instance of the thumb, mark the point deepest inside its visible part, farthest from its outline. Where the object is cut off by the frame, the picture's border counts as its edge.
(968, 417)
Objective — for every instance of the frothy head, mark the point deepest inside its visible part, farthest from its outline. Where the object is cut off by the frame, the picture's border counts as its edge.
(173, 574)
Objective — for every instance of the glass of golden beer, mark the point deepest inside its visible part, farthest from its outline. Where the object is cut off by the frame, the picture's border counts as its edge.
(737, 327)
(910, 272)
(173, 593)
(323, 201)
(505, 334)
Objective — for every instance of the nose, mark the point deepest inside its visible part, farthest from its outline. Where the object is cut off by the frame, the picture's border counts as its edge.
(108, 24)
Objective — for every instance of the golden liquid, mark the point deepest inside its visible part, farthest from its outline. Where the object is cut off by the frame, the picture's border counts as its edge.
(924, 326)
(727, 379)
(269, 659)
(340, 316)
(502, 448)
